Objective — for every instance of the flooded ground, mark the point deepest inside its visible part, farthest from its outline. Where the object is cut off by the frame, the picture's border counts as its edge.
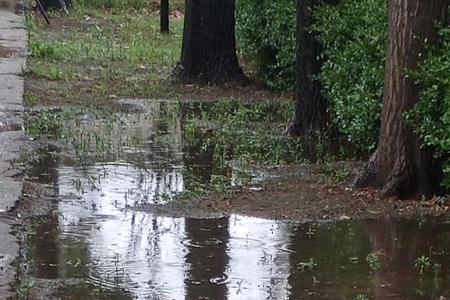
(89, 238)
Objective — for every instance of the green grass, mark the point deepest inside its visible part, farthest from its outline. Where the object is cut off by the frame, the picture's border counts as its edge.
(135, 4)
(100, 53)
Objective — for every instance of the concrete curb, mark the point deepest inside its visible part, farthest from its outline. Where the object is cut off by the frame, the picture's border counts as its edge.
(13, 52)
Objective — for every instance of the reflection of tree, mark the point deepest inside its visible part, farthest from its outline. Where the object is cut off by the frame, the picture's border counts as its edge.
(297, 280)
(197, 160)
(207, 258)
(400, 243)
(45, 251)
(331, 247)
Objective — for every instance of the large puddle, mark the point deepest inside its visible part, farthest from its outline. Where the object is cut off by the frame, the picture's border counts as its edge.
(94, 238)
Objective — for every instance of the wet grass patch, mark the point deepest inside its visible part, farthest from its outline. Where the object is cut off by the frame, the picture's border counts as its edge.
(216, 146)
(242, 143)
(106, 50)
(97, 54)
(88, 135)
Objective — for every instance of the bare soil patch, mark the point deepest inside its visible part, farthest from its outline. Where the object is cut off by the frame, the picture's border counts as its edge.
(304, 201)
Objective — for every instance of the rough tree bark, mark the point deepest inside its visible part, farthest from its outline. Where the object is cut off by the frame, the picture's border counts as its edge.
(164, 16)
(401, 166)
(311, 108)
(208, 53)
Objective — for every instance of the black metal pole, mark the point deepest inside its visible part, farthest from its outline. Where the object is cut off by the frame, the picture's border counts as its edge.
(41, 9)
(164, 16)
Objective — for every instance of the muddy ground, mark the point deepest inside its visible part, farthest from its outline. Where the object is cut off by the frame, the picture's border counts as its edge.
(302, 200)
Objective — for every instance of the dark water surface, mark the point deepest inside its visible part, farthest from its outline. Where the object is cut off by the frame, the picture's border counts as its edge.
(109, 250)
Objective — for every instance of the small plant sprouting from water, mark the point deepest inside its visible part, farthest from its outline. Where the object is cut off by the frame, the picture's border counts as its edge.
(422, 263)
(23, 291)
(44, 123)
(374, 260)
(307, 265)
(361, 297)
(425, 263)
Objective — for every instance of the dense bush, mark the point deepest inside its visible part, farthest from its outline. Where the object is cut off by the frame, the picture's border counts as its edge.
(353, 38)
(431, 115)
(266, 32)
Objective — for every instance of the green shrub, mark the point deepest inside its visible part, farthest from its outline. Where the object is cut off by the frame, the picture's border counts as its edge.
(353, 38)
(266, 32)
(431, 115)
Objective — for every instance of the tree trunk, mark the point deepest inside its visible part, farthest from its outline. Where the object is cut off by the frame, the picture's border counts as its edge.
(208, 53)
(164, 16)
(401, 166)
(311, 108)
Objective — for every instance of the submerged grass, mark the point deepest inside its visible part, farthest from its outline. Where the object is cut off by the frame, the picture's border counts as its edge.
(219, 145)
(222, 144)
(246, 133)
(239, 140)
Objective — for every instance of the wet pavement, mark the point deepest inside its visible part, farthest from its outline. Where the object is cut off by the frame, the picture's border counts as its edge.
(13, 40)
(88, 239)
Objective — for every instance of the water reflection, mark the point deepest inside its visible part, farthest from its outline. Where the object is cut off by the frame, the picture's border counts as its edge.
(238, 258)
(400, 245)
(94, 235)
(206, 259)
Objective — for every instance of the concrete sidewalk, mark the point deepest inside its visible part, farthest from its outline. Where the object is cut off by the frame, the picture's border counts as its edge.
(13, 43)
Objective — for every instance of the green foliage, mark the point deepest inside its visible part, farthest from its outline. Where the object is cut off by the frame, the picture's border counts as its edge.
(48, 50)
(431, 116)
(43, 123)
(266, 32)
(425, 263)
(308, 265)
(353, 37)
(23, 290)
(374, 260)
(361, 297)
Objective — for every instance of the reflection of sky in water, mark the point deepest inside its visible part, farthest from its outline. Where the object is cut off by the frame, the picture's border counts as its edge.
(126, 248)
(256, 253)
(233, 258)
(146, 254)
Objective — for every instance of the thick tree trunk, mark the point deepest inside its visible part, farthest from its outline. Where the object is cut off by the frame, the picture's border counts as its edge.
(164, 16)
(208, 54)
(401, 166)
(311, 108)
